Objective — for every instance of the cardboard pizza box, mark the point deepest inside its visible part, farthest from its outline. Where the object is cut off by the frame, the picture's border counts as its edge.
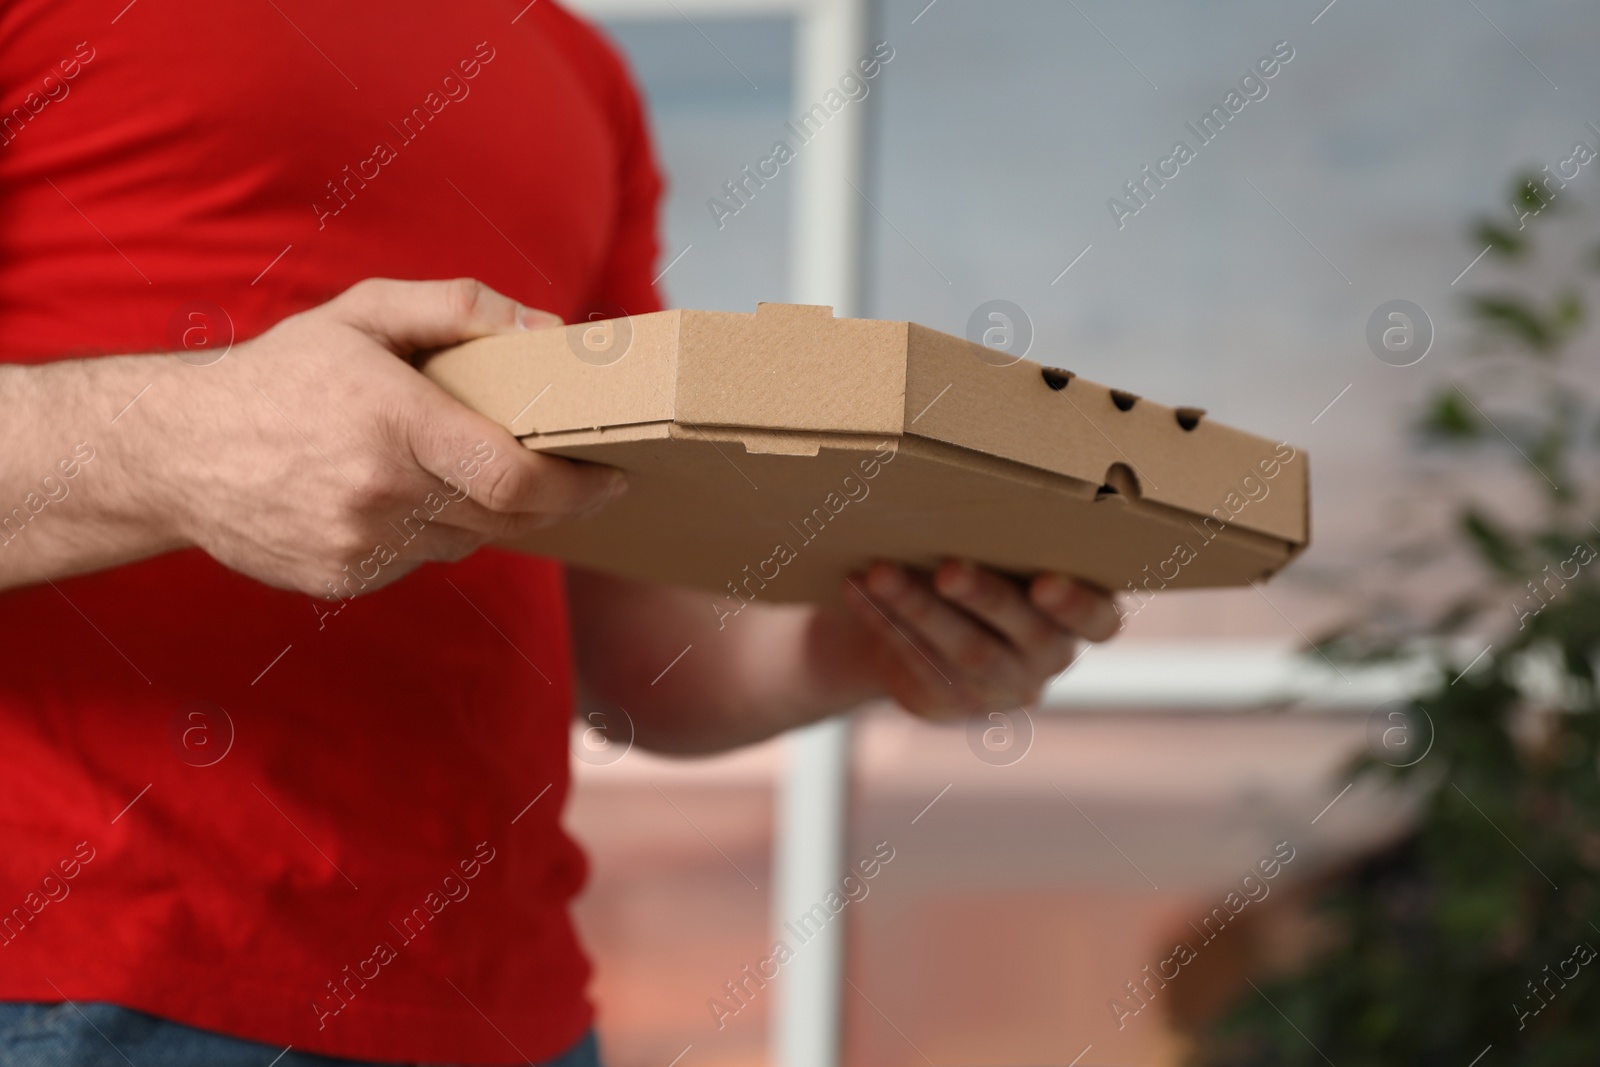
(771, 454)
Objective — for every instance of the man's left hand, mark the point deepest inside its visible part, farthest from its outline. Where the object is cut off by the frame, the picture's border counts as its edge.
(947, 644)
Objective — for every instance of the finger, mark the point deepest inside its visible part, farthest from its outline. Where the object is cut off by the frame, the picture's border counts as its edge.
(508, 527)
(1082, 609)
(527, 483)
(407, 316)
(985, 658)
(446, 506)
(456, 444)
(1004, 607)
(917, 682)
(447, 544)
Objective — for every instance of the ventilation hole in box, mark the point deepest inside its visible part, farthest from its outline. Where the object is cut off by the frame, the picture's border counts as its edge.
(1124, 401)
(1055, 378)
(1189, 418)
(1120, 481)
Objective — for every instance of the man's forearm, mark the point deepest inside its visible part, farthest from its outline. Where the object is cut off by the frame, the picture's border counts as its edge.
(72, 496)
(287, 460)
(691, 686)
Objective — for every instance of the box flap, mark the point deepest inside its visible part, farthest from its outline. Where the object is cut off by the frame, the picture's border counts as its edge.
(792, 367)
(584, 376)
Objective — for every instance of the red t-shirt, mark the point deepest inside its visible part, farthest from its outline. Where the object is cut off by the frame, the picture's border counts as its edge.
(198, 772)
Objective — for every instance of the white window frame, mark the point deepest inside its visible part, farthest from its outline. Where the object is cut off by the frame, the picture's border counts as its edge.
(825, 268)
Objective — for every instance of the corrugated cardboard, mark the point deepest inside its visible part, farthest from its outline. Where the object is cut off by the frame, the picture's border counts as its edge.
(771, 454)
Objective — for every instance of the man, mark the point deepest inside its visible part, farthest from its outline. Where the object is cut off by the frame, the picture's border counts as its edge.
(243, 807)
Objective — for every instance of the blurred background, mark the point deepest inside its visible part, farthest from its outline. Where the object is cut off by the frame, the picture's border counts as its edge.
(1033, 880)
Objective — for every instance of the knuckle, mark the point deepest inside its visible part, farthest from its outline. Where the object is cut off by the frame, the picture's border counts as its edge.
(362, 292)
(987, 593)
(502, 487)
(348, 542)
(463, 297)
(977, 654)
(371, 488)
(914, 603)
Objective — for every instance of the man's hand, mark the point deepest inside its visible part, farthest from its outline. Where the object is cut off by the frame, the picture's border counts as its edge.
(318, 438)
(942, 647)
(945, 646)
(290, 458)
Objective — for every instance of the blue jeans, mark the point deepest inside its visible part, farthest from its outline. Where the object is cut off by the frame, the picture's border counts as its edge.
(104, 1035)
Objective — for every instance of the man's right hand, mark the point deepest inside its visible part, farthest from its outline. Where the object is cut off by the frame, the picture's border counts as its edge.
(296, 456)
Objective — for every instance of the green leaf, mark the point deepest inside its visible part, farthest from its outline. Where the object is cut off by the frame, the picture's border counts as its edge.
(1504, 241)
(1569, 312)
(1449, 418)
(1515, 316)
(1494, 545)
(1529, 193)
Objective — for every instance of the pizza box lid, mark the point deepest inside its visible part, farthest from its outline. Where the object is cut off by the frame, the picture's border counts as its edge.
(769, 455)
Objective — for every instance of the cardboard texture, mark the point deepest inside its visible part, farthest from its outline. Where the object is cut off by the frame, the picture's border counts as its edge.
(771, 454)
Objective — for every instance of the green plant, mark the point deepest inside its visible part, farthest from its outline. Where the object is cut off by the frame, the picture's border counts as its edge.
(1446, 944)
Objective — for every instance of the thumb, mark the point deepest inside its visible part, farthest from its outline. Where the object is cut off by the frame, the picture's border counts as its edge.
(406, 317)
(502, 475)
